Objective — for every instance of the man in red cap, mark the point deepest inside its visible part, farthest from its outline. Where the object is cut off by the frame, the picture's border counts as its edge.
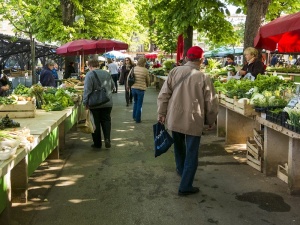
(186, 101)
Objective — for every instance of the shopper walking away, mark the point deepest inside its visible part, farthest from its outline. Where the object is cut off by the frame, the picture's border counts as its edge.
(123, 78)
(113, 70)
(141, 83)
(186, 101)
(100, 113)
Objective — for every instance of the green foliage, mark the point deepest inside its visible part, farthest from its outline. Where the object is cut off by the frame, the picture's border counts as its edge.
(169, 64)
(158, 71)
(212, 64)
(56, 99)
(21, 90)
(46, 20)
(244, 88)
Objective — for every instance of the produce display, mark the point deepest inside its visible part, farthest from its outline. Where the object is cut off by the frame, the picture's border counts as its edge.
(48, 98)
(263, 84)
(267, 94)
(56, 99)
(157, 71)
(11, 140)
(291, 69)
(7, 101)
(71, 82)
(6, 122)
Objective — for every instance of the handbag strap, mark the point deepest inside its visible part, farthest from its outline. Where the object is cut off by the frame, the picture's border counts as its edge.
(99, 82)
(131, 72)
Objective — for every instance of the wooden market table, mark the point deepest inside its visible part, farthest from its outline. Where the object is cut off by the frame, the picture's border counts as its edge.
(49, 130)
(157, 80)
(280, 145)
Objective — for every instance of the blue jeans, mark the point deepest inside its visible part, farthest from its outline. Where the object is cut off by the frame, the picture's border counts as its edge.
(186, 157)
(138, 98)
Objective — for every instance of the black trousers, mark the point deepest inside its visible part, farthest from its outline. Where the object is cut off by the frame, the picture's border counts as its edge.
(102, 120)
(115, 79)
(128, 94)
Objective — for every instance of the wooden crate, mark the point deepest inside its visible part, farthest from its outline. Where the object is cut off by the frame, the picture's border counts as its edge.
(23, 109)
(282, 173)
(224, 100)
(255, 150)
(81, 88)
(17, 74)
(244, 108)
(253, 162)
(258, 137)
(232, 103)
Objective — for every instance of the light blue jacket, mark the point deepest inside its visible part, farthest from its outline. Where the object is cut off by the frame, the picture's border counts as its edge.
(90, 84)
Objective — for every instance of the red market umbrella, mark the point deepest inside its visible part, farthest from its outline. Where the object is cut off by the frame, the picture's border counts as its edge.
(180, 48)
(109, 45)
(81, 46)
(151, 55)
(282, 33)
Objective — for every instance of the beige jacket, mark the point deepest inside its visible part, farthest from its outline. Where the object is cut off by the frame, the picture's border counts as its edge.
(191, 103)
(142, 79)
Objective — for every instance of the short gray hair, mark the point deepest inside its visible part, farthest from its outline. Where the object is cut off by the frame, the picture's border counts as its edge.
(50, 62)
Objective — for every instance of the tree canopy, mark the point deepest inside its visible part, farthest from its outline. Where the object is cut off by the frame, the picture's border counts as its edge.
(156, 22)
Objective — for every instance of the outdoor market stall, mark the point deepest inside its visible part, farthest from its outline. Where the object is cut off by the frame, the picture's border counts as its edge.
(48, 130)
(47, 114)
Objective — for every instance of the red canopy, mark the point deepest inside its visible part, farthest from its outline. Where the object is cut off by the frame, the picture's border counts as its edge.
(78, 46)
(84, 46)
(282, 34)
(109, 45)
(151, 55)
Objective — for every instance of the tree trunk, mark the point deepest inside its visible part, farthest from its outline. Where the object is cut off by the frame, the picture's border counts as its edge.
(188, 40)
(68, 18)
(32, 49)
(256, 12)
(152, 46)
(68, 12)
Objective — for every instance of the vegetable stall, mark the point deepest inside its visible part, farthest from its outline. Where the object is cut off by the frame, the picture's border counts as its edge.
(33, 125)
(264, 115)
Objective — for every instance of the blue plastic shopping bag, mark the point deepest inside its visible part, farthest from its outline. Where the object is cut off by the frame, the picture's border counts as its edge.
(162, 139)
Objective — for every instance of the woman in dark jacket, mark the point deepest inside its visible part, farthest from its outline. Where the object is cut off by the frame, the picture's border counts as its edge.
(123, 78)
(254, 66)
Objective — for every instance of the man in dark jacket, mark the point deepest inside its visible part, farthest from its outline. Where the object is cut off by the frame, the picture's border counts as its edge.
(69, 70)
(46, 77)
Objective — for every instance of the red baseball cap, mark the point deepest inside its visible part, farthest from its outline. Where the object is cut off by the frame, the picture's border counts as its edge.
(195, 52)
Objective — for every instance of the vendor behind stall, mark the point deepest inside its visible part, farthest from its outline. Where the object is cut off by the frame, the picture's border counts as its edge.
(4, 86)
(252, 67)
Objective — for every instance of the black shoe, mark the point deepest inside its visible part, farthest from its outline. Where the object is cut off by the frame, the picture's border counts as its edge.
(127, 105)
(94, 146)
(107, 143)
(193, 191)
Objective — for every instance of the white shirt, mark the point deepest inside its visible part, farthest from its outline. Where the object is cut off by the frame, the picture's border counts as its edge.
(113, 68)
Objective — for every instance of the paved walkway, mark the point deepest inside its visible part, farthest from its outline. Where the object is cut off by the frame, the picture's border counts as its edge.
(126, 185)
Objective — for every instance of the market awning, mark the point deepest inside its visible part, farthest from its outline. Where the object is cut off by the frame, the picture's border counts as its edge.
(223, 51)
(282, 34)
